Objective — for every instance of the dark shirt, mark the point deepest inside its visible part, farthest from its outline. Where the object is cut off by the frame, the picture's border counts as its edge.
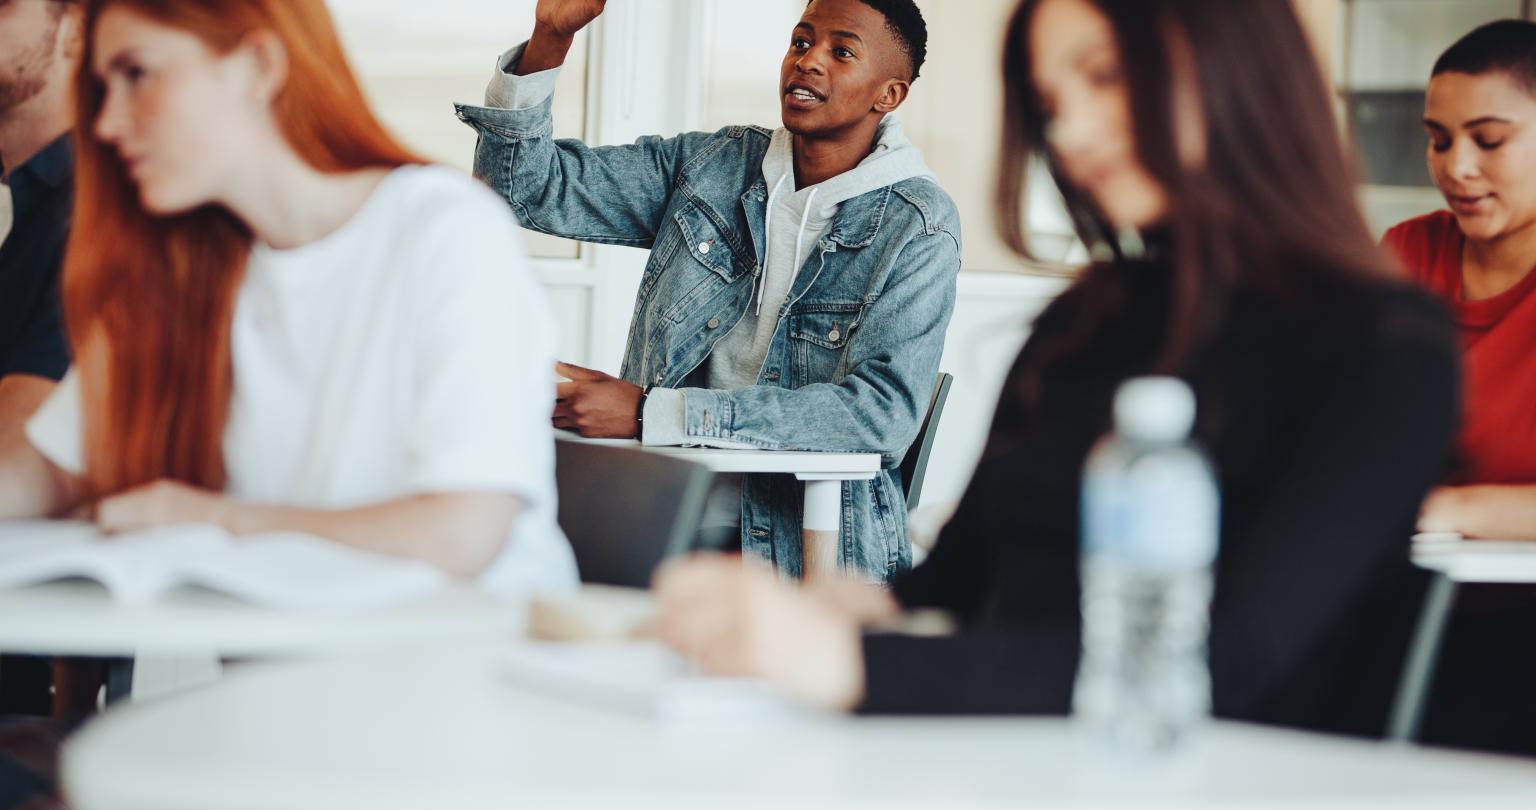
(32, 337)
(1327, 420)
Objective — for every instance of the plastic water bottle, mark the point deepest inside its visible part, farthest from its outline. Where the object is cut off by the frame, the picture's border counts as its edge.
(1149, 539)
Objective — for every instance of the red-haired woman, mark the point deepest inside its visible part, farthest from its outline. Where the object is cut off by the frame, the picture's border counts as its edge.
(282, 319)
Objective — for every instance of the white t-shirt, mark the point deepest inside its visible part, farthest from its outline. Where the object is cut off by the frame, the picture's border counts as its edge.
(409, 352)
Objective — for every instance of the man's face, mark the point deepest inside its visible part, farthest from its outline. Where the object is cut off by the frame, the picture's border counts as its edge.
(28, 38)
(843, 65)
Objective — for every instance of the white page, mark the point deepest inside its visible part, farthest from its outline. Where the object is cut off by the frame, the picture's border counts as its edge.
(134, 567)
(292, 570)
(288, 570)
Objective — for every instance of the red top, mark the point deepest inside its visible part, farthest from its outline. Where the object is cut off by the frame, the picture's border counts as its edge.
(1498, 338)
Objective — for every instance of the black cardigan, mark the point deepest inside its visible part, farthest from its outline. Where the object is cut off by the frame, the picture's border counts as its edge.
(1327, 417)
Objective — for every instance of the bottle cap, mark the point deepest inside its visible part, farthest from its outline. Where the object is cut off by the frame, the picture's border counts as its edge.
(1158, 409)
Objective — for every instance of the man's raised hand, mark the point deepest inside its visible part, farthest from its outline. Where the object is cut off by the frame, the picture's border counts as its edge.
(565, 18)
(555, 25)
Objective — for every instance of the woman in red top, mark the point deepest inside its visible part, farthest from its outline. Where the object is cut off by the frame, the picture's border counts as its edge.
(1480, 113)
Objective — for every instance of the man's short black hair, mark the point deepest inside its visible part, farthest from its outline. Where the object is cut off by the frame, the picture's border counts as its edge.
(1504, 46)
(905, 22)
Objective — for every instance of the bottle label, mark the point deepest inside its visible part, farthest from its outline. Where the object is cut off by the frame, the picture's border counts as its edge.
(1160, 510)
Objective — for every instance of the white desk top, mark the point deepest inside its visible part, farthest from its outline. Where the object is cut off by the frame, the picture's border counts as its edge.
(758, 461)
(444, 729)
(81, 618)
(1487, 561)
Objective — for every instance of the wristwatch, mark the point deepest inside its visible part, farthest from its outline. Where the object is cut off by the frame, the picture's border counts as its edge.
(640, 412)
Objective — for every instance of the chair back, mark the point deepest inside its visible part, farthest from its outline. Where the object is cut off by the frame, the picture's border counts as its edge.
(914, 465)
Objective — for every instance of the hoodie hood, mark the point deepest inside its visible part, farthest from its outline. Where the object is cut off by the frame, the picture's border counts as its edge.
(798, 216)
(893, 160)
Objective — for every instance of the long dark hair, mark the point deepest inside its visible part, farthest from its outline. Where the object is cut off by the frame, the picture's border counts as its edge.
(1273, 204)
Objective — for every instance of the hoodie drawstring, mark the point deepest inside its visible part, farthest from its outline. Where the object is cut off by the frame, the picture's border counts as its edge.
(762, 276)
(805, 218)
(800, 237)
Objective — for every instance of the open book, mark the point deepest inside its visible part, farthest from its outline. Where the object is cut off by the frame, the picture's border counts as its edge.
(286, 570)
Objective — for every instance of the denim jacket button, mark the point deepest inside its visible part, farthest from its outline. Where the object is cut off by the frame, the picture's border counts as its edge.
(704, 248)
(658, 378)
(714, 323)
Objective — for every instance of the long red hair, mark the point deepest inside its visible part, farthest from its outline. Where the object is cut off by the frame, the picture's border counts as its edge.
(149, 299)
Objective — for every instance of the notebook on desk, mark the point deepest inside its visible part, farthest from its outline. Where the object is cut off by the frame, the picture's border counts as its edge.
(643, 679)
(281, 570)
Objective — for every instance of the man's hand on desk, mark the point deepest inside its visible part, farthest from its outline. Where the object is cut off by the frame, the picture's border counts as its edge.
(596, 405)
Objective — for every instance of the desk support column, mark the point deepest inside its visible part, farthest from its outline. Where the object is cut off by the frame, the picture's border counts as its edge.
(1419, 670)
(821, 551)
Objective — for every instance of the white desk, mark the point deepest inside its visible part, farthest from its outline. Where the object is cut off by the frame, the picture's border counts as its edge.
(1483, 561)
(76, 618)
(822, 473)
(442, 729)
(1454, 562)
(177, 642)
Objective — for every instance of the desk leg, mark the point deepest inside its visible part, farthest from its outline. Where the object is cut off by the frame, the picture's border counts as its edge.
(821, 552)
(1419, 670)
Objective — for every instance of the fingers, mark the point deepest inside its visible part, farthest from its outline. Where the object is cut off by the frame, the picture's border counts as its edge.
(126, 512)
(602, 408)
(161, 503)
(706, 611)
(111, 514)
(579, 374)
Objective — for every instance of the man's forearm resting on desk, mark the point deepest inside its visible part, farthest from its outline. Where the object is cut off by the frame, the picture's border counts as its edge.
(600, 406)
(461, 532)
(1505, 512)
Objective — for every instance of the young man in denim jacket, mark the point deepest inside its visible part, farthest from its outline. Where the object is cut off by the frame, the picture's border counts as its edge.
(799, 284)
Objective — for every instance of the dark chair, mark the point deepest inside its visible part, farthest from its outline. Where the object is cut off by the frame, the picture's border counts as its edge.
(625, 510)
(915, 464)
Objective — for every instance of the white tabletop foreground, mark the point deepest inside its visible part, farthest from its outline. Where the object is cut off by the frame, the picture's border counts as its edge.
(455, 728)
(81, 618)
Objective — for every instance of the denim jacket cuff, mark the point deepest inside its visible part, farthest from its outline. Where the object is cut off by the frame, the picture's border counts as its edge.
(519, 93)
(711, 415)
(509, 125)
(666, 419)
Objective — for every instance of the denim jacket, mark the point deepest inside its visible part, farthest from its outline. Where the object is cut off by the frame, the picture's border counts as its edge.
(853, 362)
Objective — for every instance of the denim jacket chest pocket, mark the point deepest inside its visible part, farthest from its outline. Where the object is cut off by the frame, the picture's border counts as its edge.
(700, 263)
(819, 333)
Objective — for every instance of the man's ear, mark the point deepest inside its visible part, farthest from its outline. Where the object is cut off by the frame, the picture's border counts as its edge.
(71, 42)
(269, 56)
(892, 95)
